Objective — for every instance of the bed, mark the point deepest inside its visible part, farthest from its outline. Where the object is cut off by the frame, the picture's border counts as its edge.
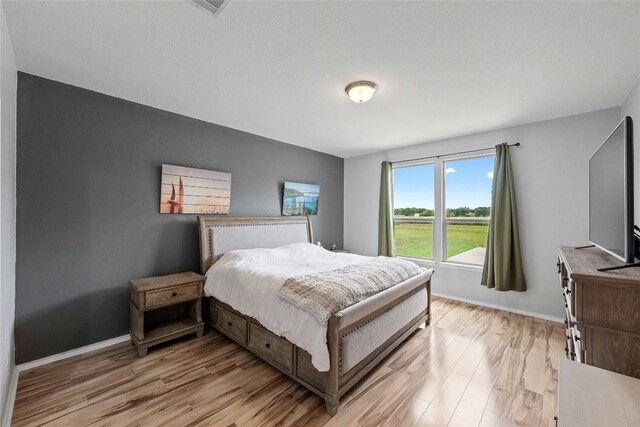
(355, 339)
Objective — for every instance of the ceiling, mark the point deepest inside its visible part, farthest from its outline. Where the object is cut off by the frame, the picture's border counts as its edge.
(278, 69)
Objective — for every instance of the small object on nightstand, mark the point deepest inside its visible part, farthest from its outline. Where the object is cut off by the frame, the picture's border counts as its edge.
(341, 251)
(334, 247)
(319, 244)
(165, 307)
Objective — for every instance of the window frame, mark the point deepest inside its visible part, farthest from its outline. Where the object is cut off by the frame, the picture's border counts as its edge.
(439, 219)
(435, 206)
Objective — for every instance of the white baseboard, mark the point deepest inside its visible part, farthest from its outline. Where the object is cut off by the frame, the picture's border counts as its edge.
(13, 385)
(503, 308)
(11, 399)
(76, 351)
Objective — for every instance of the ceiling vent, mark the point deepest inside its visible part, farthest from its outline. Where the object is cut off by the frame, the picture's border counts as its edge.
(213, 6)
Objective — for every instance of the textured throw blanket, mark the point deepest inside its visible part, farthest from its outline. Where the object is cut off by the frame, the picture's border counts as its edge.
(323, 294)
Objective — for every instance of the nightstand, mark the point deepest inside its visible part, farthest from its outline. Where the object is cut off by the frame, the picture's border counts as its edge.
(165, 307)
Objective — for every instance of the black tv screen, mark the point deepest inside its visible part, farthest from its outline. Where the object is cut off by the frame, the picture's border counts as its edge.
(611, 194)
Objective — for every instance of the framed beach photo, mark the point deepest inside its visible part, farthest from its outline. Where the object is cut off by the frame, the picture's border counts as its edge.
(194, 191)
(300, 198)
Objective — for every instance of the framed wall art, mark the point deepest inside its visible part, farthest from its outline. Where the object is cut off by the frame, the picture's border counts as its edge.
(300, 199)
(194, 191)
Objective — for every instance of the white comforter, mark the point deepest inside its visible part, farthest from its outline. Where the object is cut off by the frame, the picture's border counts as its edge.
(249, 280)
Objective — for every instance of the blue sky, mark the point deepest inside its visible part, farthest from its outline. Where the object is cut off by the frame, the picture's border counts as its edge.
(467, 182)
(303, 188)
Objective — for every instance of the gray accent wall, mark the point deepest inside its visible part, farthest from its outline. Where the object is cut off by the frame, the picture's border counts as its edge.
(88, 181)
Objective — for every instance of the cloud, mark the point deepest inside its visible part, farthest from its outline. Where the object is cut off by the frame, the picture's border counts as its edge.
(489, 175)
(449, 170)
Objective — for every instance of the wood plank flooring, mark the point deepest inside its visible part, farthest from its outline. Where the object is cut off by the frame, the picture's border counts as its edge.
(473, 366)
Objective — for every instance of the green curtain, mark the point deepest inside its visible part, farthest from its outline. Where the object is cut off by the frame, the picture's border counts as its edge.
(502, 263)
(385, 226)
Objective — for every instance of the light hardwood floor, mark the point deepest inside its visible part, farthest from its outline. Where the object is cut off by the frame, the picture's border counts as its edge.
(472, 366)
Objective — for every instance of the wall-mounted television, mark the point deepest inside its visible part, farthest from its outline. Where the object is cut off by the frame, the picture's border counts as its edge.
(611, 194)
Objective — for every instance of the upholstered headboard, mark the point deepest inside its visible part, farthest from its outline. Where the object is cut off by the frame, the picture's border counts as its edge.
(219, 234)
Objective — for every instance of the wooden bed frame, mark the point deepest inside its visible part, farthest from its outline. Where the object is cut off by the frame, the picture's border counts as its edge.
(221, 234)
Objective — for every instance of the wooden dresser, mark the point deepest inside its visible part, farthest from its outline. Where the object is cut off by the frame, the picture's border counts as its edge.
(602, 310)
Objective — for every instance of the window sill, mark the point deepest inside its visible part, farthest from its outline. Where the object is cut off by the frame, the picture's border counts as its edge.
(446, 264)
(423, 262)
(459, 266)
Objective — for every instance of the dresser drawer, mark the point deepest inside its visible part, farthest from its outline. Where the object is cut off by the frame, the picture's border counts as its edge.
(562, 273)
(568, 318)
(172, 295)
(276, 349)
(569, 349)
(232, 325)
(611, 307)
(577, 344)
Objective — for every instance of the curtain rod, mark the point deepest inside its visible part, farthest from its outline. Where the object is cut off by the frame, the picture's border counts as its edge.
(517, 144)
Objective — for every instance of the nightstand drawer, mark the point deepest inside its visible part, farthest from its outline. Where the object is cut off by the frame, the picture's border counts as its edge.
(276, 349)
(172, 295)
(232, 325)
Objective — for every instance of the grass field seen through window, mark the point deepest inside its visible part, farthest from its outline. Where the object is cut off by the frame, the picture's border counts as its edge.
(416, 240)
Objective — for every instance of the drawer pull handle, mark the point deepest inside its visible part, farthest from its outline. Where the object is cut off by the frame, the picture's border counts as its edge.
(175, 294)
(230, 324)
(577, 338)
(566, 305)
(267, 345)
(568, 291)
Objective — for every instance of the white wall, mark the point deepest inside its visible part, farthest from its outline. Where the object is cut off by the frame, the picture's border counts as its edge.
(631, 107)
(550, 173)
(7, 208)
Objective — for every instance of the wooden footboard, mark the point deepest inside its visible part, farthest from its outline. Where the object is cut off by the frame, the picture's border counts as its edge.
(296, 362)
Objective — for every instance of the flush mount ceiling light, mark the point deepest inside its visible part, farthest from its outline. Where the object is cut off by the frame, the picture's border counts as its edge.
(361, 91)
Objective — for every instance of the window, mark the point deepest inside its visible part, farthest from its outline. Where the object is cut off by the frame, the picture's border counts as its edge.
(467, 196)
(441, 209)
(413, 209)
